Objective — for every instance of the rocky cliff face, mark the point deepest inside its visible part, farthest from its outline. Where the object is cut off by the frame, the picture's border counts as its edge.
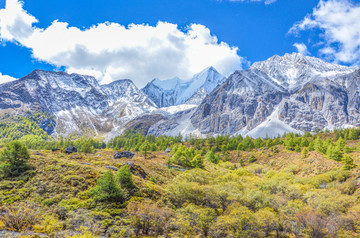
(245, 100)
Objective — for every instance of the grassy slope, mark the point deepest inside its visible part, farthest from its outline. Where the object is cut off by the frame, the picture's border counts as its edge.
(60, 181)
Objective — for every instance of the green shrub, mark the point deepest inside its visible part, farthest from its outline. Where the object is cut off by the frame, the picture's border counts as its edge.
(107, 190)
(252, 159)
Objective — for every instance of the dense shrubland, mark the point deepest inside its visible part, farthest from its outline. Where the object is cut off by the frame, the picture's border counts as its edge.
(290, 186)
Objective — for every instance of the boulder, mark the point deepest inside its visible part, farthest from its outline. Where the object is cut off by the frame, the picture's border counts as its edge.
(112, 168)
(135, 169)
(123, 154)
(168, 150)
(70, 150)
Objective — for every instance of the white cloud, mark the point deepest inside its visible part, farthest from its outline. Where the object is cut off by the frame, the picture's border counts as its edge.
(339, 20)
(110, 51)
(267, 2)
(6, 78)
(301, 48)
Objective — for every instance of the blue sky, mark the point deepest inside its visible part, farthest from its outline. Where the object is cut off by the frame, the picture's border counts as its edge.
(245, 31)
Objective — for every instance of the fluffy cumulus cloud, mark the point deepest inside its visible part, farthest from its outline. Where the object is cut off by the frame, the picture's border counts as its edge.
(339, 20)
(267, 2)
(6, 78)
(301, 48)
(110, 51)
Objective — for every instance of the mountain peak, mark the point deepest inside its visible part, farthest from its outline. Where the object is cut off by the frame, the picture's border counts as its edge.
(167, 84)
(210, 68)
(293, 70)
(176, 91)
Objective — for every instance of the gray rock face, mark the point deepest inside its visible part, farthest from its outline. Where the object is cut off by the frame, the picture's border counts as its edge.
(124, 154)
(318, 104)
(143, 123)
(244, 100)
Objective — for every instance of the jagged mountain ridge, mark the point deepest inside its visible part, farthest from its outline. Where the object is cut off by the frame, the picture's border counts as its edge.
(290, 93)
(78, 103)
(265, 100)
(292, 71)
(166, 93)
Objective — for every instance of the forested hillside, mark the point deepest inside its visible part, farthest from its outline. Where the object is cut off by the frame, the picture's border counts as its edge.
(291, 186)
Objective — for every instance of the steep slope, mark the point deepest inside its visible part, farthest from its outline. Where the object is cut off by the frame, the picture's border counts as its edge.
(176, 91)
(164, 93)
(201, 85)
(53, 92)
(243, 101)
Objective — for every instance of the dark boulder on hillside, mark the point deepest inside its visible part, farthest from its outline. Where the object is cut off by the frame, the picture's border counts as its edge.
(70, 150)
(136, 169)
(123, 154)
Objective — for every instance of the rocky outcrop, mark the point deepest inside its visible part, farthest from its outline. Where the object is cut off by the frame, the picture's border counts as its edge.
(70, 150)
(124, 154)
(112, 168)
(143, 123)
(136, 170)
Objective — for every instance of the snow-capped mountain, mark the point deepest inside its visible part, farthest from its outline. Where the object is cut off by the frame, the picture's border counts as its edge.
(290, 93)
(292, 71)
(166, 93)
(77, 103)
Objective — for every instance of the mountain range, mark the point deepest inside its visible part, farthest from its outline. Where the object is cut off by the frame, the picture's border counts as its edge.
(290, 93)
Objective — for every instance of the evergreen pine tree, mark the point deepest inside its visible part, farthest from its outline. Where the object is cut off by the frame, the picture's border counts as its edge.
(124, 177)
(145, 148)
(349, 162)
(197, 161)
(14, 159)
(211, 157)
